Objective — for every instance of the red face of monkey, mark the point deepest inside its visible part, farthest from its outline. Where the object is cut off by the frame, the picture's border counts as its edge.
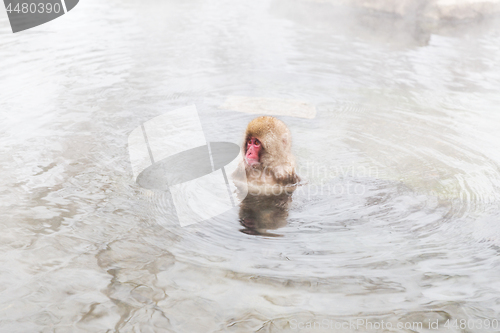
(252, 155)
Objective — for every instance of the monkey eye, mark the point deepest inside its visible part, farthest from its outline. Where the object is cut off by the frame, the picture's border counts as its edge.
(253, 141)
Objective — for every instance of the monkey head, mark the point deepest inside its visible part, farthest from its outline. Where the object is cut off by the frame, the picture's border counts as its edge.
(267, 147)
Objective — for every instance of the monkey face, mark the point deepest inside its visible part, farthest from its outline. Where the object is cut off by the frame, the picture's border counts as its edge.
(253, 149)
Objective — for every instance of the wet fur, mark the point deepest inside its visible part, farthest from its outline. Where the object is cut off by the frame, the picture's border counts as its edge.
(277, 164)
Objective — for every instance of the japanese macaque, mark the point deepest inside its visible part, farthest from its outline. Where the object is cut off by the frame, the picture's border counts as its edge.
(269, 167)
(267, 153)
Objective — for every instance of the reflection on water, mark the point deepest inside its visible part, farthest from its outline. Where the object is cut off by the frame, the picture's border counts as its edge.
(398, 221)
(260, 213)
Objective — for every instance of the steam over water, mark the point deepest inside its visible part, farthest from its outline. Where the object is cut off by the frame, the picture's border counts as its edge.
(399, 219)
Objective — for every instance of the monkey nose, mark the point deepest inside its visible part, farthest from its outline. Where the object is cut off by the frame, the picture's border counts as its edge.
(252, 153)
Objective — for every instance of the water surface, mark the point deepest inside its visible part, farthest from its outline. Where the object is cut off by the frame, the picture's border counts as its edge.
(398, 222)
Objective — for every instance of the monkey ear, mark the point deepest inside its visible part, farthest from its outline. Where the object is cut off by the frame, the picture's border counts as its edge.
(285, 140)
